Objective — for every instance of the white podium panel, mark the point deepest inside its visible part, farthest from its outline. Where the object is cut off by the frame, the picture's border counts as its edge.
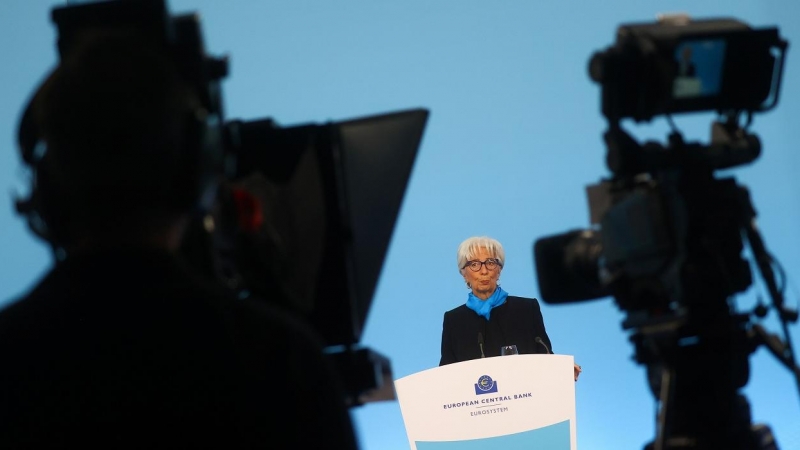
(509, 402)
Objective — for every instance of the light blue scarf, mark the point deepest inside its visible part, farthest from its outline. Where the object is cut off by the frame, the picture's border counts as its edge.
(484, 307)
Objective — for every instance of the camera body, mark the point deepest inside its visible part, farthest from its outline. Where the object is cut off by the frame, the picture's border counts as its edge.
(660, 241)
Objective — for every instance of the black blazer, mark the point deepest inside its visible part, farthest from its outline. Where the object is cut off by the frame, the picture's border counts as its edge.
(518, 322)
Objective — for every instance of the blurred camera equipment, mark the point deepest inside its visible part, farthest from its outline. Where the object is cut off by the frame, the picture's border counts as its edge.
(667, 234)
(298, 216)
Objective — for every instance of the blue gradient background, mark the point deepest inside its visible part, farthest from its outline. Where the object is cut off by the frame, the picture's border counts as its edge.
(513, 138)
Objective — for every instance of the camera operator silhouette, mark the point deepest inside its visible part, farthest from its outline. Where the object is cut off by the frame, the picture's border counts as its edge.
(120, 344)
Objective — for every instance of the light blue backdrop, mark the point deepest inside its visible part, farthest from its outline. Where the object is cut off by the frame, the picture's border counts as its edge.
(513, 138)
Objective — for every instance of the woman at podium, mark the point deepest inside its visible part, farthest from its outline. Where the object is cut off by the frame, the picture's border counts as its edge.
(490, 319)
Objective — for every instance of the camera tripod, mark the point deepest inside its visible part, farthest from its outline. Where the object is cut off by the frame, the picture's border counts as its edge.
(686, 331)
(695, 370)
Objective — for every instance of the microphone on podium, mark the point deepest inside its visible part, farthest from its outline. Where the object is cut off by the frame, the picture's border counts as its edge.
(480, 343)
(540, 341)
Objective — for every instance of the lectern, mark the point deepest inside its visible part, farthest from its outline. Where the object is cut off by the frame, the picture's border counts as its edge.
(511, 402)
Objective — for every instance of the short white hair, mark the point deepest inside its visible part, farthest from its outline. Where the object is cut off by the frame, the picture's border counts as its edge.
(469, 248)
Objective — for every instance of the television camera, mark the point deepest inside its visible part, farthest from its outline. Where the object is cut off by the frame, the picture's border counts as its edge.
(668, 234)
(299, 216)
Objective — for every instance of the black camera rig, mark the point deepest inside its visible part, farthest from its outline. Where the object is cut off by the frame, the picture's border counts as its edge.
(299, 216)
(668, 235)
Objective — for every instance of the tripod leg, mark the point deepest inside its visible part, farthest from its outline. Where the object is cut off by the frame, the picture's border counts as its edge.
(667, 386)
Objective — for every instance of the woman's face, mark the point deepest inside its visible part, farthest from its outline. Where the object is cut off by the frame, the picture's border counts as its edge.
(484, 281)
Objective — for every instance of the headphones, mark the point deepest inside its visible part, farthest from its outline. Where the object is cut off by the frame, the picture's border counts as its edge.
(197, 169)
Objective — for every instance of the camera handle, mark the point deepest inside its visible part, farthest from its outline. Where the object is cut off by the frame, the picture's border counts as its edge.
(731, 146)
(782, 350)
(778, 348)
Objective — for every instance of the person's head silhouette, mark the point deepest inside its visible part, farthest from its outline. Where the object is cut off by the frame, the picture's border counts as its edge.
(122, 133)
